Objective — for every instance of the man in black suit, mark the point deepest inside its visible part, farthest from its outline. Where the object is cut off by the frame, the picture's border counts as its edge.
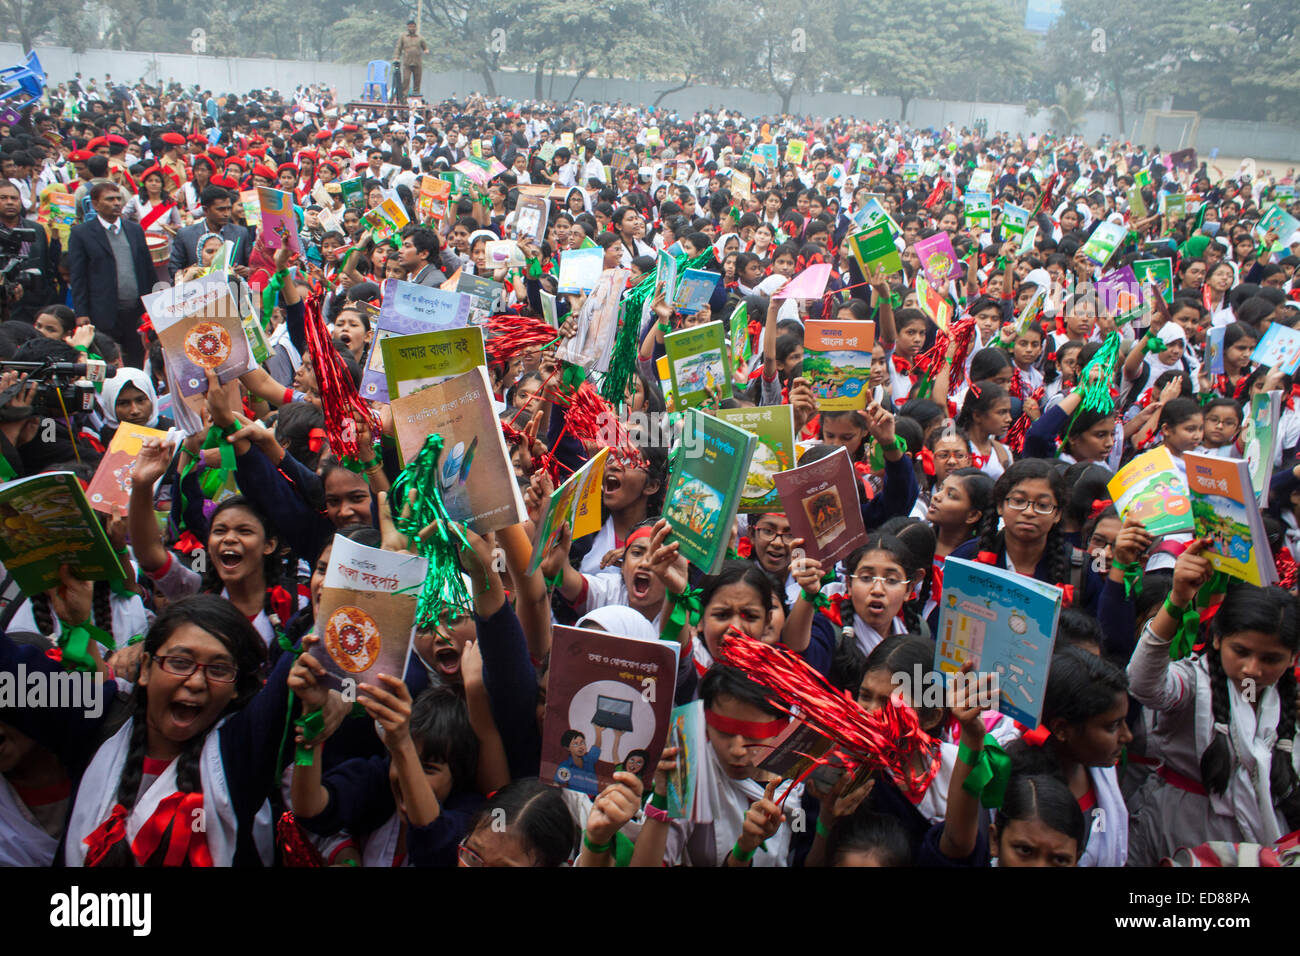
(110, 268)
(38, 267)
(217, 206)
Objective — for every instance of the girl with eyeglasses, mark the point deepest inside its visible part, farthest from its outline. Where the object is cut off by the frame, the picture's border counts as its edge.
(199, 739)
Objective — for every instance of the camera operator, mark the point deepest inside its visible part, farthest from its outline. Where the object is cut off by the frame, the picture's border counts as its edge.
(34, 433)
(26, 297)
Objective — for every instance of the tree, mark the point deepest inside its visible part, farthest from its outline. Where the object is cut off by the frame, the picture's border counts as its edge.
(27, 18)
(1067, 111)
(908, 48)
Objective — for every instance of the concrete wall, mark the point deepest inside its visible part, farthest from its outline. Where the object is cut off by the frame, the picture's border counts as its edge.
(1264, 141)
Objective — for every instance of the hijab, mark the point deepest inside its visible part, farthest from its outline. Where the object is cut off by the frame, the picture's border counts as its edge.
(113, 387)
(1170, 333)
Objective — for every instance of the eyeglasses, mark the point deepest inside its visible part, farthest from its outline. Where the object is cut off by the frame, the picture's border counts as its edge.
(220, 672)
(468, 857)
(1023, 504)
(769, 534)
(1097, 541)
(890, 584)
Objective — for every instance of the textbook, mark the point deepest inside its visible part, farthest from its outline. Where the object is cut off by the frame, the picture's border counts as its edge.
(199, 328)
(978, 208)
(598, 321)
(1174, 205)
(414, 362)
(694, 290)
(1214, 350)
(1157, 272)
(47, 522)
(112, 482)
(773, 426)
(1137, 207)
(279, 226)
(1014, 219)
(1120, 295)
(1259, 439)
(1006, 623)
(1224, 510)
(407, 308)
(461, 411)
(809, 284)
(353, 195)
(699, 363)
(1152, 489)
(821, 502)
(1105, 239)
(609, 700)
(579, 269)
(686, 732)
(665, 279)
(837, 362)
(938, 259)
(794, 151)
(874, 249)
(531, 216)
(1028, 240)
(1278, 348)
(252, 208)
(577, 502)
(367, 614)
(705, 487)
(431, 202)
(485, 295)
(1278, 220)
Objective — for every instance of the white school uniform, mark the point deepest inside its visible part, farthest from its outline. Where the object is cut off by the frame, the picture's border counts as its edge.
(23, 841)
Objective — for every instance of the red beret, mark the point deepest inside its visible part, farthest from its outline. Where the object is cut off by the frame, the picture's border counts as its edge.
(323, 135)
(266, 172)
(308, 154)
(216, 151)
(349, 127)
(236, 161)
(283, 166)
(196, 138)
(115, 140)
(97, 142)
(80, 155)
(332, 165)
(225, 182)
(341, 154)
(205, 159)
(173, 139)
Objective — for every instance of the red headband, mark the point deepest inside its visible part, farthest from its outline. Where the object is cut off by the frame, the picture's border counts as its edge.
(644, 532)
(744, 728)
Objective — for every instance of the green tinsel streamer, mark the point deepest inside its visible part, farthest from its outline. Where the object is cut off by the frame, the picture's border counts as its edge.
(444, 588)
(622, 364)
(1096, 395)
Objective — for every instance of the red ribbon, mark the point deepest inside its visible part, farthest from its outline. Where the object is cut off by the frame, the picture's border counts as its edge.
(178, 814)
(749, 729)
(1098, 506)
(106, 836)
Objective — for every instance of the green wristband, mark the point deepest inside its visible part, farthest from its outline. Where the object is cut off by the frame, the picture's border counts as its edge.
(744, 856)
(821, 829)
(659, 801)
(665, 328)
(594, 847)
(967, 756)
(1174, 610)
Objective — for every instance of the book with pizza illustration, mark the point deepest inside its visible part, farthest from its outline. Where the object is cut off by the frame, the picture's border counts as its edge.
(477, 480)
(112, 482)
(200, 328)
(821, 501)
(608, 703)
(367, 613)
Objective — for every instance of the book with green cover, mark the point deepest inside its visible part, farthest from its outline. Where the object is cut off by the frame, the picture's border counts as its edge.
(705, 487)
(1280, 221)
(1137, 207)
(1157, 272)
(874, 249)
(1224, 509)
(1175, 206)
(354, 196)
(699, 362)
(47, 521)
(414, 362)
(1014, 219)
(773, 426)
(978, 207)
(1105, 239)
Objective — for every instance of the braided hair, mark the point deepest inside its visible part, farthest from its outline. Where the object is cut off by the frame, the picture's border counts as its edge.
(101, 606)
(223, 621)
(993, 540)
(1269, 611)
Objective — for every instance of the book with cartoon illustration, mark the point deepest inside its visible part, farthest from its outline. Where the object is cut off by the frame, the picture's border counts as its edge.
(705, 487)
(474, 472)
(1105, 239)
(279, 226)
(875, 250)
(46, 521)
(1152, 489)
(1157, 272)
(577, 502)
(414, 362)
(112, 482)
(837, 362)
(694, 290)
(1278, 348)
(699, 363)
(1224, 509)
(609, 698)
(408, 308)
(1258, 440)
(773, 426)
(199, 327)
(1006, 623)
(687, 732)
(820, 499)
(367, 613)
(1014, 219)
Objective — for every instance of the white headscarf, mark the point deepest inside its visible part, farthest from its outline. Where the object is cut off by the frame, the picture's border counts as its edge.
(620, 620)
(113, 387)
(1170, 333)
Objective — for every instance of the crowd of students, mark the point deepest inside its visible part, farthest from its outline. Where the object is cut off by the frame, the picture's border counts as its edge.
(1139, 757)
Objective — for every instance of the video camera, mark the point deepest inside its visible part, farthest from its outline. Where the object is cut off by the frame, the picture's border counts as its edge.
(60, 387)
(11, 257)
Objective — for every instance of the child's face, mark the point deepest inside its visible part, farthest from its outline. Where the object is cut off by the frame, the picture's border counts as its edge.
(133, 406)
(772, 543)
(1096, 443)
(1221, 426)
(734, 750)
(1079, 323)
(1253, 660)
(623, 486)
(950, 453)
(784, 265)
(878, 601)
(734, 605)
(1237, 355)
(49, 326)
(1032, 843)
(842, 433)
(996, 420)
(950, 505)
(1028, 347)
(1019, 510)
(1186, 435)
(911, 339)
(1069, 364)
(438, 774)
(1100, 740)
(645, 591)
(987, 321)
(577, 747)
(879, 370)
(792, 361)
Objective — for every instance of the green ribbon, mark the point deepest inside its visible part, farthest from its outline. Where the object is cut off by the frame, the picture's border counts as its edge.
(269, 296)
(74, 642)
(686, 612)
(1189, 624)
(212, 480)
(572, 377)
(990, 771)
(1153, 344)
(816, 600)
(533, 268)
(553, 583)
(312, 726)
(1132, 578)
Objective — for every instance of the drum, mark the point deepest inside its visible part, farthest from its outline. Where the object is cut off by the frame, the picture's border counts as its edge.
(160, 247)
